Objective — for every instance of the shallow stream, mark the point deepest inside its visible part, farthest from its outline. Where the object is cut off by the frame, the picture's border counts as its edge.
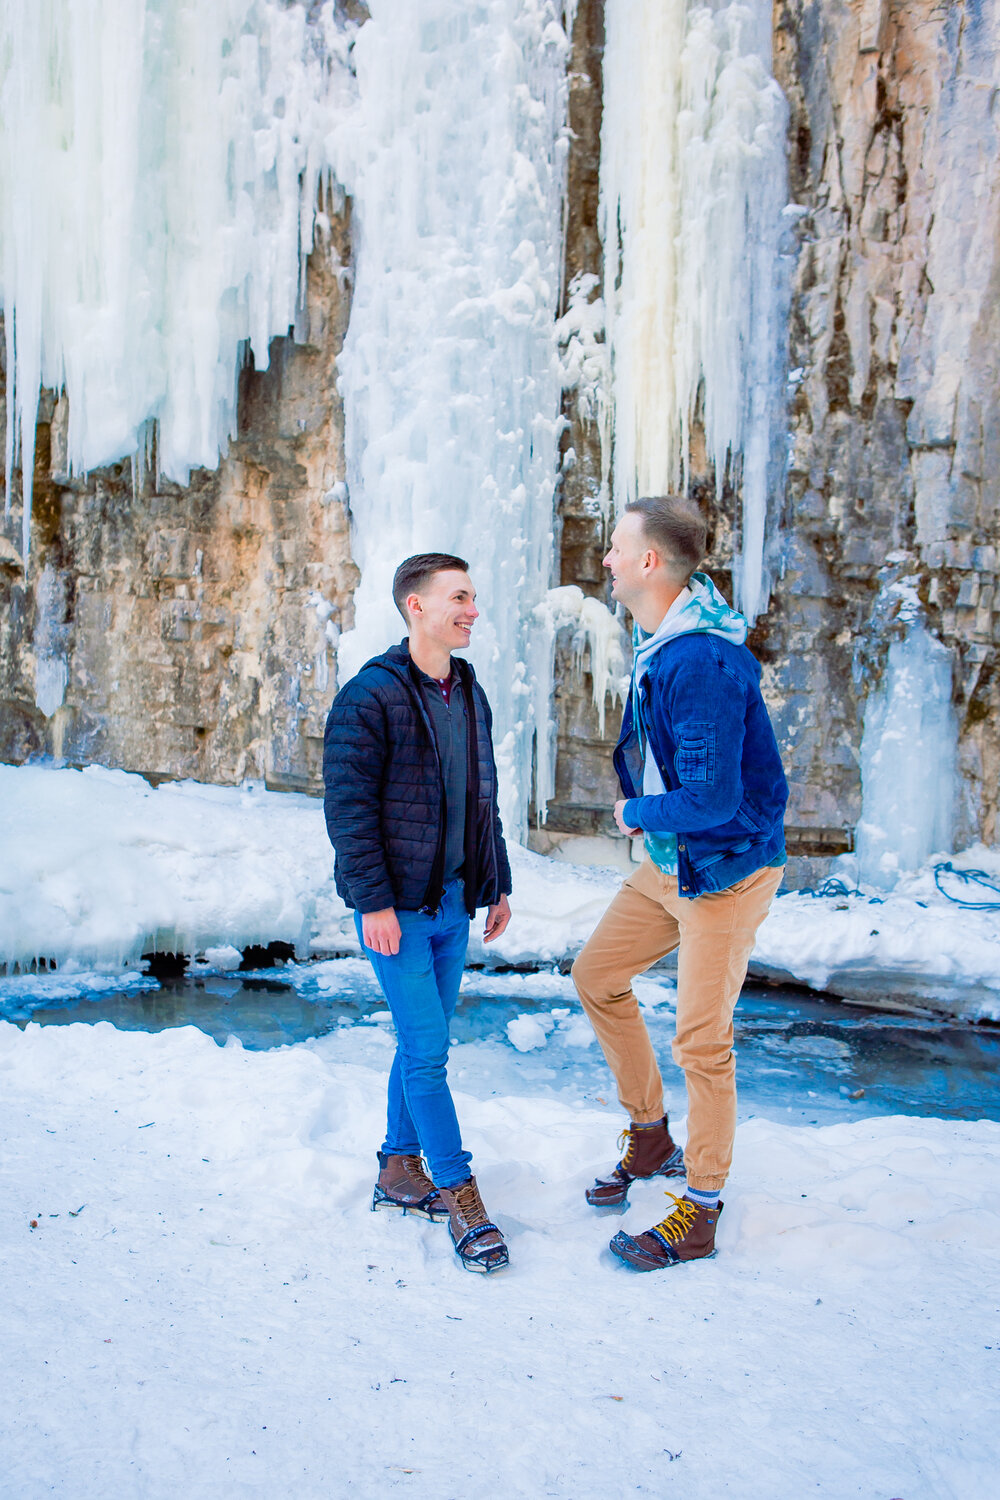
(800, 1058)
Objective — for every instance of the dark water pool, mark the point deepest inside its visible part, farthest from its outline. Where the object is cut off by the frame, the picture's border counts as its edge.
(800, 1058)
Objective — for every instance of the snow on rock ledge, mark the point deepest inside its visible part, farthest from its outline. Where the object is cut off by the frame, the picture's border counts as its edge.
(97, 868)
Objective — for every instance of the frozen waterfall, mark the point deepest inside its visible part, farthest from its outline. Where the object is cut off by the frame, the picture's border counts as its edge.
(455, 161)
(159, 167)
(693, 185)
(908, 755)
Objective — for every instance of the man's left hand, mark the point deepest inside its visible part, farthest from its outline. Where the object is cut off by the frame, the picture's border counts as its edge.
(497, 918)
(619, 809)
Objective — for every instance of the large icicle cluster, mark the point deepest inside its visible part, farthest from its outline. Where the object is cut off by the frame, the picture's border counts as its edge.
(455, 159)
(908, 750)
(693, 183)
(159, 167)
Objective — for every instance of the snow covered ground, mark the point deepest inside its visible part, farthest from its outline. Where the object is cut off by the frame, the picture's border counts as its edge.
(97, 868)
(198, 1300)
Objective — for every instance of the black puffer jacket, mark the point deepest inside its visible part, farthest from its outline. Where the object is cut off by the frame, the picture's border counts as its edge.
(385, 795)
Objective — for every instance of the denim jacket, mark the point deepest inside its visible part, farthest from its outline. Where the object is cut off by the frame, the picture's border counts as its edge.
(716, 752)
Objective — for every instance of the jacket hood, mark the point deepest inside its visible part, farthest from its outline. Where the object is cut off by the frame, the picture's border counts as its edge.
(703, 610)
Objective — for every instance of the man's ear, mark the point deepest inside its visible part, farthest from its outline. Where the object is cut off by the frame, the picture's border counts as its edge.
(412, 602)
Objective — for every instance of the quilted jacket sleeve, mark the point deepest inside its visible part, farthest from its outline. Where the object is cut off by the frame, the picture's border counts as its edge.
(354, 753)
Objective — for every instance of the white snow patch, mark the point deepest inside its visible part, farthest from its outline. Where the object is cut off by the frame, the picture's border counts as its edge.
(207, 1305)
(528, 1032)
(225, 957)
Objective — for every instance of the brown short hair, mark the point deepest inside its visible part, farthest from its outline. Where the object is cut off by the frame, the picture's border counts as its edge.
(675, 528)
(416, 572)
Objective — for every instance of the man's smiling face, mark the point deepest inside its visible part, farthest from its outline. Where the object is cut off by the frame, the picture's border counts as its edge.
(627, 558)
(445, 609)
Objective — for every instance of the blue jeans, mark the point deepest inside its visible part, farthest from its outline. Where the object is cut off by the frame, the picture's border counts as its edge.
(420, 984)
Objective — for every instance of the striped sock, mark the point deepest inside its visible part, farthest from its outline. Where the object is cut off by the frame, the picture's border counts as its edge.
(703, 1198)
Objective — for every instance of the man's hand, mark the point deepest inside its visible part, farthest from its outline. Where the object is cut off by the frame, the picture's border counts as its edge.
(497, 918)
(619, 809)
(380, 930)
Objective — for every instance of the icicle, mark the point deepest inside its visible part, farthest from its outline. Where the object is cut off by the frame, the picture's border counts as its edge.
(908, 762)
(51, 667)
(585, 366)
(693, 181)
(159, 170)
(910, 740)
(599, 643)
(450, 373)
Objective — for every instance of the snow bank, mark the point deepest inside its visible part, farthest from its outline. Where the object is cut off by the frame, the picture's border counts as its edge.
(97, 868)
(204, 1303)
(913, 947)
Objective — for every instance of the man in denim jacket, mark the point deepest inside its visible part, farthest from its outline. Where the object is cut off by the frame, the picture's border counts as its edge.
(704, 787)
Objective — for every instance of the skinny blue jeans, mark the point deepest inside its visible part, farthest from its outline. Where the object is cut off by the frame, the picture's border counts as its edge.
(420, 984)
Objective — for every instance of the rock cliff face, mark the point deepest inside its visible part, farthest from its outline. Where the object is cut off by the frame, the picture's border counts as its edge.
(895, 422)
(190, 632)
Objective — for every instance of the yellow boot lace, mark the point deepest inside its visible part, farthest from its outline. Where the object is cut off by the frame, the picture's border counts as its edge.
(679, 1220)
(626, 1141)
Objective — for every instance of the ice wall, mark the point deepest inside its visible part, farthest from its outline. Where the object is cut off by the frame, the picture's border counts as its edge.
(455, 161)
(159, 168)
(599, 645)
(908, 756)
(693, 186)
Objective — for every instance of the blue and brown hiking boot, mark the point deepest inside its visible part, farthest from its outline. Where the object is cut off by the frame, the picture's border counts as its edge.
(687, 1233)
(403, 1184)
(649, 1152)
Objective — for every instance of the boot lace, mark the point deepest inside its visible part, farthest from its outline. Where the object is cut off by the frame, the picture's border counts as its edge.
(679, 1221)
(626, 1141)
(414, 1168)
(469, 1203)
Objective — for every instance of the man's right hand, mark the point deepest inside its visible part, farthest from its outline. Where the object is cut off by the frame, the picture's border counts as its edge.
(380, 931)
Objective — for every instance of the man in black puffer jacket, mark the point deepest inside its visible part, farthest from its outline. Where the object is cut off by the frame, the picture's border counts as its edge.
(411, 809)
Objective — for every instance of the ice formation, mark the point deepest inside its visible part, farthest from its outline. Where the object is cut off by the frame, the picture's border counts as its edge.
(908, 756)
(580, 331)
(159, 169)
(693, 186)
(51, 666)
(455, 160)
(599, 642)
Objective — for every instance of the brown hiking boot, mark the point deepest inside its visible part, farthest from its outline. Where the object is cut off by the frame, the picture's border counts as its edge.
(403, 1184)
(649, 1152)
(687, 1233)
(478, 1242)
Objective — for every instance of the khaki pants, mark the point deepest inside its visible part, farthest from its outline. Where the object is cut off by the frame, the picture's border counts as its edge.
(714, 935)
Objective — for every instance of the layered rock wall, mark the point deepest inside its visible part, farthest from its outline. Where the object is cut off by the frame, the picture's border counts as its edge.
(191, 632)
(895, 417)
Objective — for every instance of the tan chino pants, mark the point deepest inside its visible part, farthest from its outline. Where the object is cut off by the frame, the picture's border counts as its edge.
(714, 935)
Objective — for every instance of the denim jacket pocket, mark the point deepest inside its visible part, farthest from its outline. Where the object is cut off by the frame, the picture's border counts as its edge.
(750, 817)
(694, 758)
